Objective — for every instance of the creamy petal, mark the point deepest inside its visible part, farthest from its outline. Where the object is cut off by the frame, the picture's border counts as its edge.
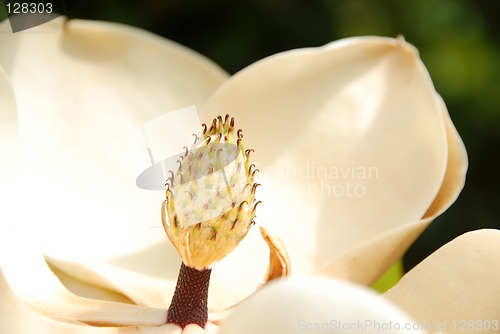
(146, 277)
(9, 149)
(9, 154)
(240, 273)
(351, 143)
(362, 264)
(21, 319)
(456, 169)
(193, 329)
(34, 283)
(458, 282)
(81, 89)
(8, 129)
(138, 288)
(299, 305)
(224, 274)
(279, 261)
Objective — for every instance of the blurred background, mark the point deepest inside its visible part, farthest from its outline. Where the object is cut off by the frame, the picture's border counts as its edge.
(459, 42)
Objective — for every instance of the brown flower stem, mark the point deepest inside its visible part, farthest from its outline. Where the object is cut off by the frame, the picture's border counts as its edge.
(189, 303)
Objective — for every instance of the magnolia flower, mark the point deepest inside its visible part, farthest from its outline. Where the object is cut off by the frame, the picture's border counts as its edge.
(356, 151)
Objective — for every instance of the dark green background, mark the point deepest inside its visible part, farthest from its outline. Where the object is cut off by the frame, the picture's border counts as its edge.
(459, 41)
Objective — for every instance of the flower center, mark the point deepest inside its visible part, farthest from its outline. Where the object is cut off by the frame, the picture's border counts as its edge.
(209, 208)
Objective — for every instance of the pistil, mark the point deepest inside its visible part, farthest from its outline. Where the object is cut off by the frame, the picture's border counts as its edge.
(209, 208)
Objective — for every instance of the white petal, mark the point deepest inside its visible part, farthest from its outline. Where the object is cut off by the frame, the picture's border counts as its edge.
(34, 284)
(81, 89)
(138, 287)
(8, 129)
(9, 152)
(20, 319)
(351, 142)
(456, 168)
(316, 305)
(372, 258)
(193, 329)
(455, 284)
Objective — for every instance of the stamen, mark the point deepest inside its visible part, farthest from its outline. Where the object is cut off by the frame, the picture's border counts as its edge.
(196, 138)
(234, 223)
(255, 207)
(250, 168)
(171, 178)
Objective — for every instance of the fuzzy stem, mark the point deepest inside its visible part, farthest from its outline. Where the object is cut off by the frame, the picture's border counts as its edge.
(189, 303)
